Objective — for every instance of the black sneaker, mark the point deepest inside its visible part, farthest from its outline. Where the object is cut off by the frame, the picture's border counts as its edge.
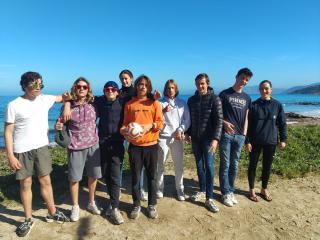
(59, 217)
(25, 228)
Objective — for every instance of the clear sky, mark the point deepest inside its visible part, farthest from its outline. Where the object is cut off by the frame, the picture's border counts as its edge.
(278, 40)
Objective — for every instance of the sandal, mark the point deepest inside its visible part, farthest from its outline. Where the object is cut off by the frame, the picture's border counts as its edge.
(253, 198)
(266, 197)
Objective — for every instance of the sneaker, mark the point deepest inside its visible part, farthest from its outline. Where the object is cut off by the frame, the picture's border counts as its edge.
(180, 195)
(75, 213)
(25, 228)
(152, 212)
(116, 216)
(135, 212)
(233, 199)
(109, 210)
(211, 206)
(144, 195)
(199, 196)
(93, 209)
(159, 194)
(59, 217)
(226, 200)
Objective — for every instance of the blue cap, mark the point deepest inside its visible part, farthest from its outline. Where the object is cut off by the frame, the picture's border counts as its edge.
(111, 84)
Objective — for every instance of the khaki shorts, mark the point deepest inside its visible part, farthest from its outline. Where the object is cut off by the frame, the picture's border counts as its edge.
(36, 161)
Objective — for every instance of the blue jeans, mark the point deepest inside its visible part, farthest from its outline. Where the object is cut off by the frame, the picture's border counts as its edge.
(205, 166)
(230, 150)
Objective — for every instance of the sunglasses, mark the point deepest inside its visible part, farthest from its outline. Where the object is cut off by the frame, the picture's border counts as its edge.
(79, 87)
(266, 89)
(110, 89)
(34, 85)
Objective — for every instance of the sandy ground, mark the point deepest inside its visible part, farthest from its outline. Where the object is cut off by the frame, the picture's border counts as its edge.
(294, 213)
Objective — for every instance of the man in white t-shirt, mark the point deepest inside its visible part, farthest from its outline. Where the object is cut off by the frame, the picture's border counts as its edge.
(26, 140)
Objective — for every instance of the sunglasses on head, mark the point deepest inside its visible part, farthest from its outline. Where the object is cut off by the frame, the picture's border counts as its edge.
(79, 87)
(35, 84)
(111, 89)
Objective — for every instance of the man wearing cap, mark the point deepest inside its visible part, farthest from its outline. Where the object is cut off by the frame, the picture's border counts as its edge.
(110, 111)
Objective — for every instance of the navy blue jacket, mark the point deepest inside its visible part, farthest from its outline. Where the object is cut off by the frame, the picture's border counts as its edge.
(206, 116)
(266, 120)
(110, 115)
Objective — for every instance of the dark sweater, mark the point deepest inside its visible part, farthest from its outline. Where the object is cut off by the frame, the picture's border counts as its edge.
(266, 119)
(110, 115)
(206, 116)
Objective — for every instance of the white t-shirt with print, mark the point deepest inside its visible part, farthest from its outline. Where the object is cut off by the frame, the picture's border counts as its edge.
(30, 119)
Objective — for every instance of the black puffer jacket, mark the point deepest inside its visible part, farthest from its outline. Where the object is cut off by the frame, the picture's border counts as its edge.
(206, 116)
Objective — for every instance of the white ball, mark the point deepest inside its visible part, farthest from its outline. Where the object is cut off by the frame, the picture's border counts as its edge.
(134, 130)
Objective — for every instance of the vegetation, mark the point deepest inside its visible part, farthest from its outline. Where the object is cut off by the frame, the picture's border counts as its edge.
(302, 156)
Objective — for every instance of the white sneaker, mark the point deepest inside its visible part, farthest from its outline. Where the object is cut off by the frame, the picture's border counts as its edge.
(211, 206)
(116, 216)
(144, 195)
(75, 213)
(199, 196)
(159, 195)
(226, 200)
(233, 199)
(180, 195)
(93, 208)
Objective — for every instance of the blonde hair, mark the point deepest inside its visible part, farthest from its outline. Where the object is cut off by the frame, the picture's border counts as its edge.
(89, 97)
(170, 81)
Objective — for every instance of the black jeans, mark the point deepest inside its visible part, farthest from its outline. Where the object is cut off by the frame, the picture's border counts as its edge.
(268, 153)
(112, 154)
(146, 156)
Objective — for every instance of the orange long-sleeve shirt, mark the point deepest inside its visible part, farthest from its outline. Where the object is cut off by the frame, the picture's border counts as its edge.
(144, 111)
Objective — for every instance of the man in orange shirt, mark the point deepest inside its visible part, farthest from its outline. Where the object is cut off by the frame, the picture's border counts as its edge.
(143, 150)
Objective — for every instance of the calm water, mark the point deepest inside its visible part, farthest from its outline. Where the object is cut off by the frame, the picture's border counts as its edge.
(292, 103)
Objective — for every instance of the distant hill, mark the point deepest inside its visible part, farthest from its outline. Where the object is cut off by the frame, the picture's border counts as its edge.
(307, 90)
(310, 89)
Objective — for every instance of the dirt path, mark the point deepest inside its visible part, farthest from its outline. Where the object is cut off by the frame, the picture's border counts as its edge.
(294, 213)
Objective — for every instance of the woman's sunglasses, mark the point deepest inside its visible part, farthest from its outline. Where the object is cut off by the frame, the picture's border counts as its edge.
(79, 87)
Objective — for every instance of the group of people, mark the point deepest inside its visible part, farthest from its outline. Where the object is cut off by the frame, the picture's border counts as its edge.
(207, 121)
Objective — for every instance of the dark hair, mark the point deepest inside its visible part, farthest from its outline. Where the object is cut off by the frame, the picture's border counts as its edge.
(126, 71)
(89, 96)
(202, 75)
(138, 80)
(245, 71)
(170, 81)
(265, 81)
(27, 78)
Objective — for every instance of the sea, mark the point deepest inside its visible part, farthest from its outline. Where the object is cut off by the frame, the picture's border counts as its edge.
(308, 105)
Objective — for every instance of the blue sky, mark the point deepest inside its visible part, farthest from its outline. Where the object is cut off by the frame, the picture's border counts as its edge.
(277, 40)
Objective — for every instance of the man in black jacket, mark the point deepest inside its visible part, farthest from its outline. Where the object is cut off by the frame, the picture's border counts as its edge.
(266, 120)
(205, 131)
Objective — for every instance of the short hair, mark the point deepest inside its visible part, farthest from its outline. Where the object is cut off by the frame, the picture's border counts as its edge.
(138, 80)
(202, 75)
(126, 71)
(245, 71)
(89, 97)
(27, 78)
(170, 81)
(265, 81)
